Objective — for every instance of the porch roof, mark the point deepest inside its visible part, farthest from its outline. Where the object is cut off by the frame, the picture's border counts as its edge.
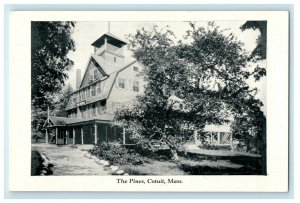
(64, 121)
(217, 128)
(102, 117)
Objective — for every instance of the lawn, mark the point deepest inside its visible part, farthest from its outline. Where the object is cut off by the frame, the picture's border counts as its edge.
(186, 166)
(190, 161)
(154, 168)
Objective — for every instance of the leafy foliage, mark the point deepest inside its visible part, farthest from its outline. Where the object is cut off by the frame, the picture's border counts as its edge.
(208, 76)
(117, 154)
(38, 117)
(50, 44)
(63, 98)
(260, 51)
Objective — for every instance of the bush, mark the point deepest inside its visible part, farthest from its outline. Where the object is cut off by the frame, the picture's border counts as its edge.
(117, 154)
(153, 150)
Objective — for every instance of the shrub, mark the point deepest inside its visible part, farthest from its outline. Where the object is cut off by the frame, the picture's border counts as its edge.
(117, 154)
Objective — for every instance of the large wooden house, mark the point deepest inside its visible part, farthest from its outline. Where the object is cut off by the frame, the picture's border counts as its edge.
(109, 83)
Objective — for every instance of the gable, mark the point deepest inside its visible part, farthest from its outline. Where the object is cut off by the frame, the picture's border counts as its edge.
(107, 84)
(92, 73)
(130, 77)
(101, 87)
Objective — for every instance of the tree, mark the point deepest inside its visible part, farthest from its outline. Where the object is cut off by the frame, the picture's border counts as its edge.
(258, 118)
(208, 74)
(50, 44)
(221, 61)
(260, 51)
(154, 117)
(63, 98)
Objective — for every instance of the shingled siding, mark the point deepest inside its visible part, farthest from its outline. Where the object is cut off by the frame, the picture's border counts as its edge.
(102, 89)
(126, 94)
(89, 73)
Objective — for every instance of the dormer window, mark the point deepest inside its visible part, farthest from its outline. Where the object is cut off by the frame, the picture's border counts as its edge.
(93, 74)
(93, 89)
(136, 69)
(88, 92)
(74, 98)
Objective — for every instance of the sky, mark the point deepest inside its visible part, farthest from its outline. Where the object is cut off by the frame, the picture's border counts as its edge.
(86, 33)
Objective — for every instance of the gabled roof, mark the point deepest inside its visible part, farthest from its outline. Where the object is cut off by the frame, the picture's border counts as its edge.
(111, 39)
(111, 72)
(107, 68)
(225, 127)
(107, 84)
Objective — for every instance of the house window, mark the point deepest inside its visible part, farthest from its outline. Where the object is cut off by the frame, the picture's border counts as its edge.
(83, 112)
(88, 114)
(98, 108)
(121, 83)
(83, 94)
(93, 73)
(98, 88)
(74, 98)
(214, 136)
(88, 93)
(91, 111)
(115, 59)
(75, 113)
(135, 68)
(135, 86)
(113, 106)
(94, 110)
(80, 95)
(93, 90)
(118, 106)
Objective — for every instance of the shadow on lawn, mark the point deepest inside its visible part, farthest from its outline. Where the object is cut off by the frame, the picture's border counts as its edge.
(197, 164)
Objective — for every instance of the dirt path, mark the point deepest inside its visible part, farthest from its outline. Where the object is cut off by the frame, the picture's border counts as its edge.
(70, 161)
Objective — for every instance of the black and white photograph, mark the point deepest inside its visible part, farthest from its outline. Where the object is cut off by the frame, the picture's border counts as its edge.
(148, 98)
(156, 101)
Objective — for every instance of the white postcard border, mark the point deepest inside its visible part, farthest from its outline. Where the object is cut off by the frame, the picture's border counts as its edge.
(20, 111)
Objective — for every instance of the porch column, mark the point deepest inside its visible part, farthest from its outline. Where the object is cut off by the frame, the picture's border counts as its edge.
(67, 135)
(106, 133)
(124, 141)
(96, 134)
(47, 136)
(81, 136)
(219, 138)
(231, 139)
(73, 135)
(195, 136)
(56, 137)
(211, 137)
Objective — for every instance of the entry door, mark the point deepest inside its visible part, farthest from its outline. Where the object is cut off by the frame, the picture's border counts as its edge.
(61, 137)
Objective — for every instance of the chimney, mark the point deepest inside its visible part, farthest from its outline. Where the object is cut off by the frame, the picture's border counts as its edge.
(78, 78)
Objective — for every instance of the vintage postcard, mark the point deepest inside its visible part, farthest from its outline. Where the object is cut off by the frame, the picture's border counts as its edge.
(149, 101)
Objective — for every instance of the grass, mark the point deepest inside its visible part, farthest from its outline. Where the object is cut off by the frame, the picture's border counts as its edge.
(185, 166)
(210, 163)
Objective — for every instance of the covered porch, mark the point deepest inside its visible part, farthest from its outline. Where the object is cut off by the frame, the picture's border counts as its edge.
(63, 131)
(217, 135)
